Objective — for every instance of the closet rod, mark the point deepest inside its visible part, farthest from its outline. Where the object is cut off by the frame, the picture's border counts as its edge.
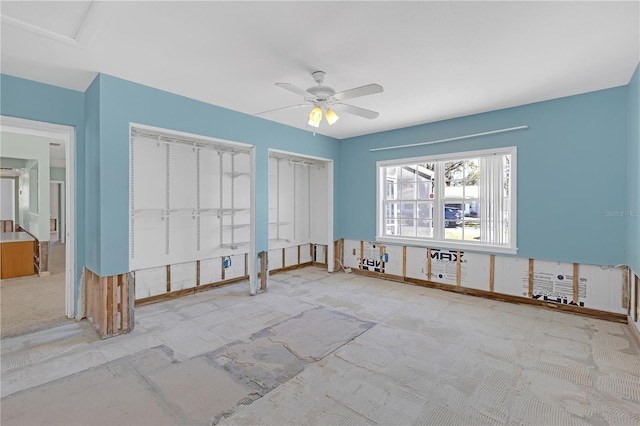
(296, 160)
(492, 132)
(193, 144)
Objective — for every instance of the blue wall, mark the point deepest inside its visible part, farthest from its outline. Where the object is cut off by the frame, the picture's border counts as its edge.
(123, 102)
(571, 169)
(633, 173)
(578, 160)
(42, 102)
(92, 175)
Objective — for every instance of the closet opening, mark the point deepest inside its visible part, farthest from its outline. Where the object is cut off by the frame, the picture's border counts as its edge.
(300, 211)
(191, 213)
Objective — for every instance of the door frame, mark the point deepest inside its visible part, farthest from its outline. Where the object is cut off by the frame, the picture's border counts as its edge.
(65, 135)
(61, 234)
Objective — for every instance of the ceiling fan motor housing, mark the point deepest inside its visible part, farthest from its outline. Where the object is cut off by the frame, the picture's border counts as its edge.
(322, 93)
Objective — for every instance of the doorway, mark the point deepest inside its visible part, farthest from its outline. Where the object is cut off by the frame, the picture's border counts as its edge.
(63, 139)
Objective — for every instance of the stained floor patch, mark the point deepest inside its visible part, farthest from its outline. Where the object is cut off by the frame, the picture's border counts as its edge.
(275, 354)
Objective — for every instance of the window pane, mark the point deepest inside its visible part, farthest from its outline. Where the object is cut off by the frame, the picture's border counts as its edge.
(392, 227)
(425, 190)
(454, 170)
(392, 210)
(425, 228)
(471, 171)
(455, 191)
(392, 173)
(392, 191)
(472, 209)
(407, 227)
(452, 219)
(471, 191)
(408, 210)
(470, 229)
(408, 173)
(425, 219)
(425, 210)
(408, 191)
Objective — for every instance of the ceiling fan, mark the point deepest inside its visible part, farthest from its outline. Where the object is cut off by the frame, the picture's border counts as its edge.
(325, 100)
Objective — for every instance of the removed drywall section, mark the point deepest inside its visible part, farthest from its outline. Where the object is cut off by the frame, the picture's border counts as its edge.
(475, 271)
(592, 287)
(170, 281)
(109, 306)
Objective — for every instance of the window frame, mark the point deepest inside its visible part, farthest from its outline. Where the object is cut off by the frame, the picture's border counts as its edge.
(438, 240)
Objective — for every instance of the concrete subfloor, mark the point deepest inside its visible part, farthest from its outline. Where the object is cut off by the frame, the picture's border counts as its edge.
(322, 348)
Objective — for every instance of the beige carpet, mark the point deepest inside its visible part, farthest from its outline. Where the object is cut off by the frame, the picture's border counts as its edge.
(28, 304)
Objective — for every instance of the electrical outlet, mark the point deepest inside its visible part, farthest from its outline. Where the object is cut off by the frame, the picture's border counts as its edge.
(354, 252)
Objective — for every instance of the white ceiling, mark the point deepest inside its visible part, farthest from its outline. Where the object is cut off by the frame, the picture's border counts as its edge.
(435, 60)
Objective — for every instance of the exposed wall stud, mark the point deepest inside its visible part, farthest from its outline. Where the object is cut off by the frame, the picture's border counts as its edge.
(635, 307)
(458, 269)
(530, 290)
(575, 282)
(492, 262)
(404, 261)
(626, 288)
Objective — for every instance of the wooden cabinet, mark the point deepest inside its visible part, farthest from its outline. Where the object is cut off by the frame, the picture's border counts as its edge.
(16, 255)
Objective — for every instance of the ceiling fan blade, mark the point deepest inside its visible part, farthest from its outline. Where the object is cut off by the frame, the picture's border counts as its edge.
(283, 108)
(366, 113)
(369, 89)
(295, 89)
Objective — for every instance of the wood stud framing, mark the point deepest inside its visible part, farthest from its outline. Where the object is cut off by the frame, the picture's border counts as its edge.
(530, 291)
(492, 271)
(108, 303)
(626, 289)
(263, 270)
(635, 303)
(404, 261)
(576, 269)
(458, 269)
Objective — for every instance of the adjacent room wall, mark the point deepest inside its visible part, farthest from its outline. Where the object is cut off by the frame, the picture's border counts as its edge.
(17, 164)
(58, 173)
(8, 200)
(34, 201)
(571, 171)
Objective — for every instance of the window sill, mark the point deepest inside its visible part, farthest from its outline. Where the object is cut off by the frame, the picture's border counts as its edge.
(457, 245)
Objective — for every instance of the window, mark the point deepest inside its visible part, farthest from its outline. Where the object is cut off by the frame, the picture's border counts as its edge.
(462, 200)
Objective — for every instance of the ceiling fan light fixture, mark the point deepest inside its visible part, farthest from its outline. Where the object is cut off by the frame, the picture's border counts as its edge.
(331, 116)
(315, 115)
(313, 123)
